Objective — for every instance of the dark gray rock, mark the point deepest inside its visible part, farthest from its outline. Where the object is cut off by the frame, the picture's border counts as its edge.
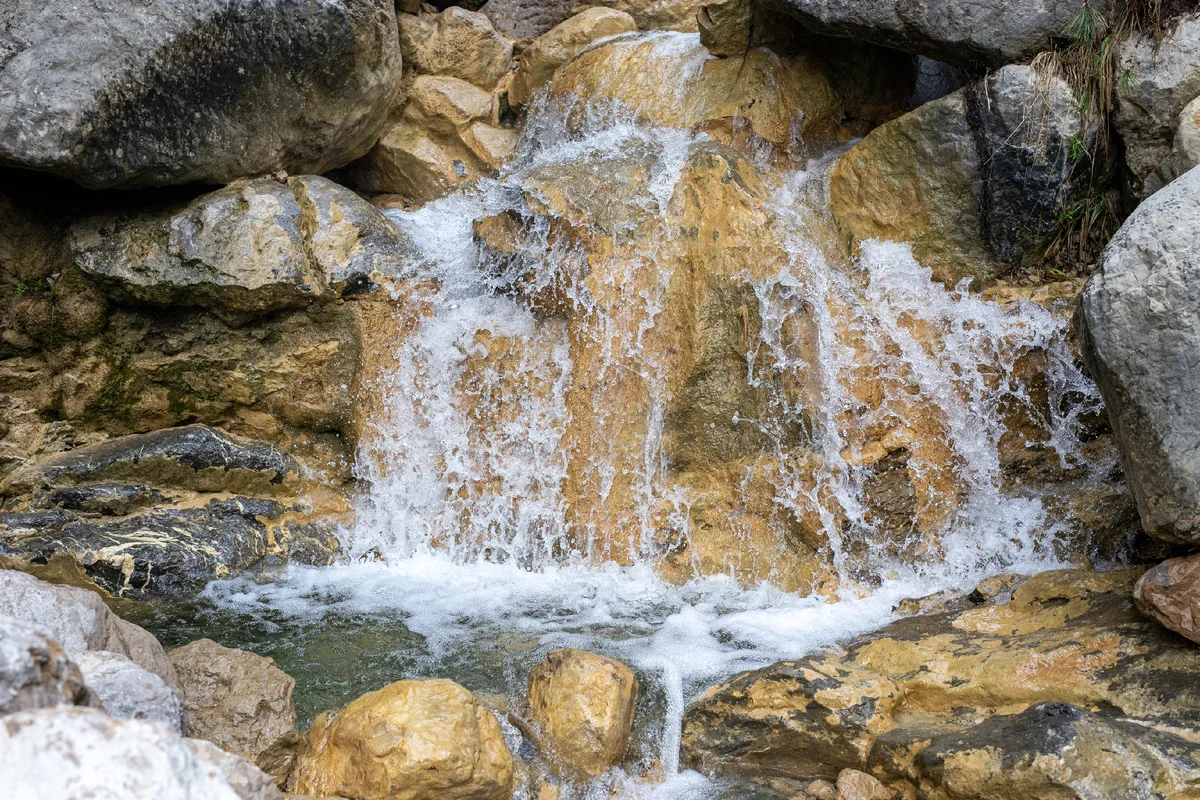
(251, 248)
(108, 499)
(161, 551)
(162, 92)
(976, 33)
(1140, 316)
(192, 457)
(1059, 750)
(35, 672)
(128, 691)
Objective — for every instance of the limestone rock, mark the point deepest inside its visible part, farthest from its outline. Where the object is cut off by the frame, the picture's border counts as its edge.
(1065, 637)
(128, 691)
(34, 670)
(411, 740)
(251, 248)
(459, 43)
(1186, 152)
(447, 103)
(417, 163)
(493, 146)
(1058, 751)
(977, 181)
(1162, 77)
(529, 19)
(1138, 314)
(582, 706)
(1169, 594)
(240, 702)
(247, 780)
(561, 44)
(976, 33)
(194, 457)
(155, 93)
(80, 621)
(855, 785)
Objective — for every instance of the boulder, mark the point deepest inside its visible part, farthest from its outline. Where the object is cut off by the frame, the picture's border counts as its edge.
(411, 740)
(972, 33)
(1139, 311)
(127, 691)
(417, 164)
(73, 752)
(1065, 637)
(1058, 751)
(855, 785)
(562, 43)
(1169, 594)
(447, 104)
(977, 181)
(458, 43)
(247, 780)
(34, 670)
(529, 19)
(1185, 154)
(240, 702)
(80, 621)
(158, 93)
(1160, 78)
(254, 247)
(582, 706)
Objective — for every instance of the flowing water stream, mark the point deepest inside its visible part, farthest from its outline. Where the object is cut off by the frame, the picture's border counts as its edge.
(473, 554)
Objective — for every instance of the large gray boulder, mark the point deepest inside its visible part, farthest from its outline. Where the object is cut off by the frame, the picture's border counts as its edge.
(162, 92)
(80, 621)
(983, 33)
(1141, 314)
(253, 247)
(73, 752)
(1160, 78)
(127, 691)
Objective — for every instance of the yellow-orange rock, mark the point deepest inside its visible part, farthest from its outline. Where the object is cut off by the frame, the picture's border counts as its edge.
(561, 44)
(581, 706)
(411, 740)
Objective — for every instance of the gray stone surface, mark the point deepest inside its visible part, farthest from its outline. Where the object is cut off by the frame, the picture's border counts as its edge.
(127, 691)
(34, 670)
(1159, 80)
(250, 782)
(163, 92)
(988, 33)
(1141, 314)
(80, 621)
(251, 248)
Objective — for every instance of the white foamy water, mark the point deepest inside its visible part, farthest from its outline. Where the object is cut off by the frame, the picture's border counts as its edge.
(466, 536)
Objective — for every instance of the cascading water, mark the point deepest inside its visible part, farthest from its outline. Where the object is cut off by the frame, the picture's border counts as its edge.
(524, 471)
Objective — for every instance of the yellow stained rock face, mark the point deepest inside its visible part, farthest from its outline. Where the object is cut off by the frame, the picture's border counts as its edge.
(562, 43)
(412, 740)
(581, 706)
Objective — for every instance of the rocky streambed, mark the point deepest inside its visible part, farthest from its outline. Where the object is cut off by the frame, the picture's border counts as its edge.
(639, 399)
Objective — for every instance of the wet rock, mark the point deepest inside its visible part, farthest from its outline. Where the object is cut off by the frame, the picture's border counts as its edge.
(1058, 751)
(163, 550)
(977, 181)
(151, 94)
(247, 780)
(990, 33)
(1065, 637)
(582, 706)
(107, 499)
(193, 457)
(1138, 312)
(413, 740)
(821, 790)
(73, 752)
(529, 19)
(1160, 79)
(417, 164)
(493, 146)
(127, 691)
(80, 621)
(855, 785)
(459, 43)
(447, 104)
(251, 248)
(34, 670)
(240, 702)
(1169, 594)
(561, 44)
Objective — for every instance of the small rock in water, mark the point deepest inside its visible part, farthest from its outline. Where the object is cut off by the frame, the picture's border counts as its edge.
(582, 707)
(411, 740)
(239, 701)
(1169, 594)
(128, 691)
